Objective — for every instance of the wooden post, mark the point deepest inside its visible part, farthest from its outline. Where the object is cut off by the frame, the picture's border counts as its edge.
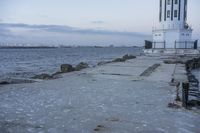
(185, 93)
(177, 92)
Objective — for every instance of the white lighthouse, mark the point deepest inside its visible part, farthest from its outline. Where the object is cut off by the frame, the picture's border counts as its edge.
(173, 31)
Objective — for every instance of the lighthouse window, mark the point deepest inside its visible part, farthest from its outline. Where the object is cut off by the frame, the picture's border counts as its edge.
(168, 13)
(175, 13)
(176, 2)
(168, 2)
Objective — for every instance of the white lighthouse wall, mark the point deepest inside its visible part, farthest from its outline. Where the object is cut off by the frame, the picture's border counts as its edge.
(178, 39)
(185, 36)
(170, 38)
(158, 39)
(165, 37)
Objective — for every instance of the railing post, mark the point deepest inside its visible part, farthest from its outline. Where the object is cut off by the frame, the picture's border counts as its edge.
(154, 45)
(164, 45)
(175, 45)
(185, 45)
(185, 92)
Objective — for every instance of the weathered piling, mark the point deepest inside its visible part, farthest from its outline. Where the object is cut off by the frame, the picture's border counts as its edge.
(185, 92)
(177, 92)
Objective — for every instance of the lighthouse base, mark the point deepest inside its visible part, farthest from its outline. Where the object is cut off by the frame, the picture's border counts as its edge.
(172, 51)
(172, 38)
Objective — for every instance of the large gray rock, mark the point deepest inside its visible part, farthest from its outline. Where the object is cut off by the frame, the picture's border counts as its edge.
(66, 68)
(4, 82)
(173, 61)
(81, 66)
(119, 60)
(15, 81)
(43, 76)
(124, 58)
(103, 63)
(128, 57)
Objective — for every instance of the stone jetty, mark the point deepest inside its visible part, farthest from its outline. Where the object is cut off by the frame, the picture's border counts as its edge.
(133, 96)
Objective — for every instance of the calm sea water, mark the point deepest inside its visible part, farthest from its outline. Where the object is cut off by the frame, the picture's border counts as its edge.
(24, 63)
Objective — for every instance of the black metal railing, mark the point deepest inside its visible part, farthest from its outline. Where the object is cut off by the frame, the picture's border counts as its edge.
(159, 45)
(184, 45)
(177, 45)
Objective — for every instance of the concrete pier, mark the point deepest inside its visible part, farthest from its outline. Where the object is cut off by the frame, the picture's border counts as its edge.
(113, 98)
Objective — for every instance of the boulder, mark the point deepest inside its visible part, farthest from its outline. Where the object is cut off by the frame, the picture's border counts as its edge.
(81, 66)
(119, 60)
(128, 57)
(66, 68)
(173, 61)
(169, 61)
(20, 81)
(43, 76)
(4, 82)
(15, 81)
(103, 63)
(124, 58)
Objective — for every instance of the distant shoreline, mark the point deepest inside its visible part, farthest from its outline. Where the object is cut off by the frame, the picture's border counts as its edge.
(25, 47)
(52, 47)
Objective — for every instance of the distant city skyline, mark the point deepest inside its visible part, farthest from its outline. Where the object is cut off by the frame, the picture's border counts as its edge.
(137, 16)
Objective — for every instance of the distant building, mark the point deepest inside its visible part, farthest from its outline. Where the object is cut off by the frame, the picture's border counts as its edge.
(173, 30)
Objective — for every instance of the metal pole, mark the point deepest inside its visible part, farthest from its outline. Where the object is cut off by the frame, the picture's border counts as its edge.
(175, 45)
(164, 45)
(185, 44)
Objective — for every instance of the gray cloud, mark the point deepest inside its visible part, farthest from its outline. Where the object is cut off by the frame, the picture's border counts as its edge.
(67, 29)
(58, 34)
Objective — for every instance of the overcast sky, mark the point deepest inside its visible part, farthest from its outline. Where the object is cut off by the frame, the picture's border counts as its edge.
(115, 15)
